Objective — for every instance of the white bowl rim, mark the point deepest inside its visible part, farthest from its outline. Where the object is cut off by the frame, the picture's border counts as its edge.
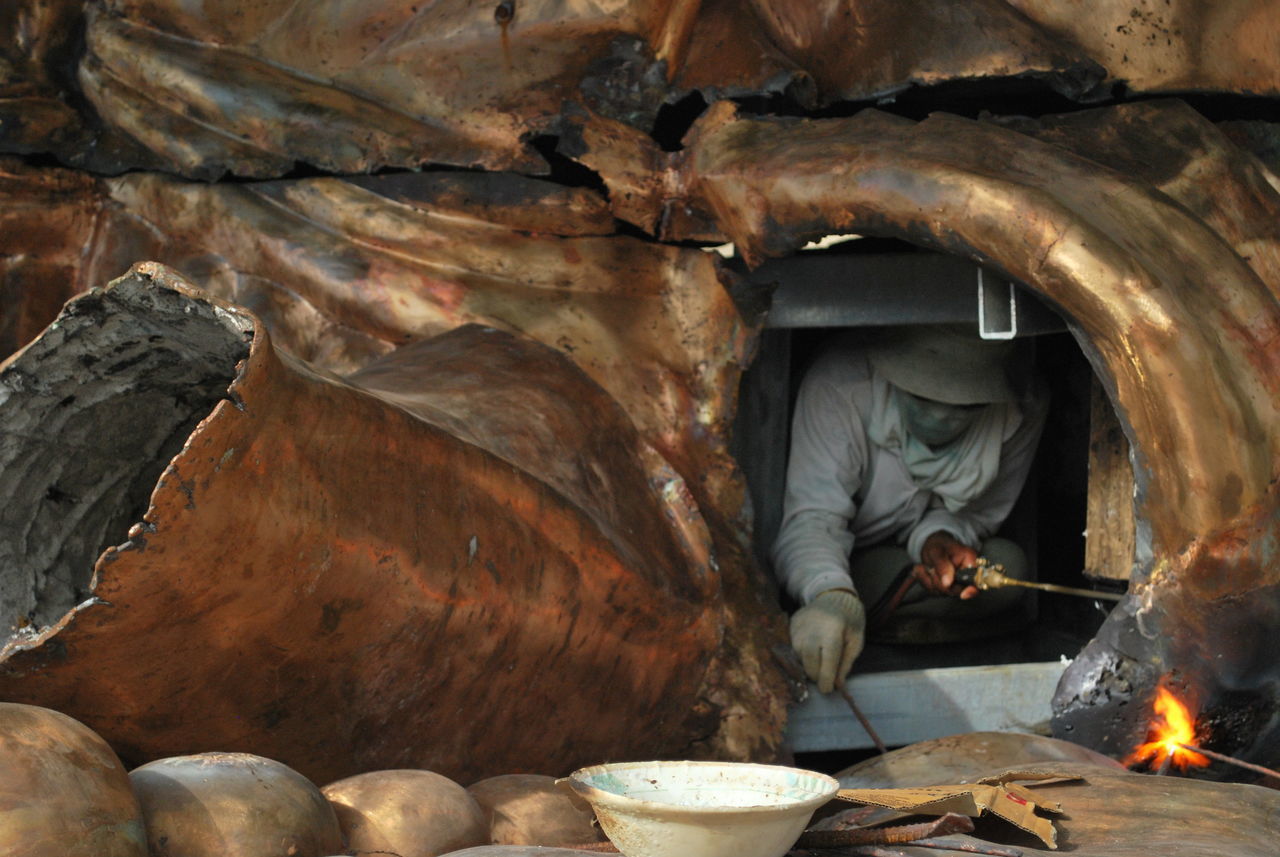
(613, 800)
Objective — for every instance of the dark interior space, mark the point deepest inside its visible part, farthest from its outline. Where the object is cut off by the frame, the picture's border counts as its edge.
(1049, 519)
(875, 280)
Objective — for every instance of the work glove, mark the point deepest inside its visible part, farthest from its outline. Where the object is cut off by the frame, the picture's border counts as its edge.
(828, 634)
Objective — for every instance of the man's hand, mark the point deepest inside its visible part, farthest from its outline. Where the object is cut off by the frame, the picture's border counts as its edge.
(941, 556)
(828, 634)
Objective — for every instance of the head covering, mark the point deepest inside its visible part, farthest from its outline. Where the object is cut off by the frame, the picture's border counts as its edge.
(947, 363)
(955, 473)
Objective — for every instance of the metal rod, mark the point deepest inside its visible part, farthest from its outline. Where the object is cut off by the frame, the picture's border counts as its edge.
(967, 847)
(1065, 590)
(862, 718)
(1231, 760)
(986, 575)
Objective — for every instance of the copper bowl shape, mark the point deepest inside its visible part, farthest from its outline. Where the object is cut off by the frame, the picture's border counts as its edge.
(233, 805)
(411, 813)
(63, 792)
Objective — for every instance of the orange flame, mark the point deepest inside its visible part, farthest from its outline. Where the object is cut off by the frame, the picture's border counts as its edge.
(1171, 727)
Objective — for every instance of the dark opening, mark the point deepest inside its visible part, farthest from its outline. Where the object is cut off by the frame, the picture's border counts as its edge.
(123, 380)
(868, 283)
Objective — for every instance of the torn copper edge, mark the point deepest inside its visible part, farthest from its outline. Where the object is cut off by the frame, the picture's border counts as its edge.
(399, 569)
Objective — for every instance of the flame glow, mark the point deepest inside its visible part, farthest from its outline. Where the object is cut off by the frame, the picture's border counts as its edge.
(1171, 727)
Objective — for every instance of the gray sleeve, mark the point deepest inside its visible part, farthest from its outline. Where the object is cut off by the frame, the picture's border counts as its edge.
(825, 470)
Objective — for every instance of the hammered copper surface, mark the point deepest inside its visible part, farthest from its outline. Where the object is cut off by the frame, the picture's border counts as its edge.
(342, 271)
(1171, 45)
(328, 575)
(46, 220)
(63, 792)
(252, 89)
(964, 758)
(233, 805)
(406, 813)
(353, 86)
(873, 48)
(1169, 146)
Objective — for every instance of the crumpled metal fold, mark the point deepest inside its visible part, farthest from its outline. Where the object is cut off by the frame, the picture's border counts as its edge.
(461, 558)
(344, 271)
(347, 87)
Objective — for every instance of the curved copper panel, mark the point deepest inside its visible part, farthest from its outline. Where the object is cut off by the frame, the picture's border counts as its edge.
(354, 86)
(343, 271)
(203, 89)
(46, 220)
(1169, 146)
(1129, 266)
(1172, 45)
(403, 569)
(1184, 332)
(873, 48)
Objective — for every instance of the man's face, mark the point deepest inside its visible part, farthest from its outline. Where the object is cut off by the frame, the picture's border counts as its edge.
(936, 423)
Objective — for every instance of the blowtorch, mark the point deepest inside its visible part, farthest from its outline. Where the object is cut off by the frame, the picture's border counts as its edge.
(983, 574)
(989, 575)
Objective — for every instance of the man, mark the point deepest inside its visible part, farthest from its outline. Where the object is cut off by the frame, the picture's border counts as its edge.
(908, 450)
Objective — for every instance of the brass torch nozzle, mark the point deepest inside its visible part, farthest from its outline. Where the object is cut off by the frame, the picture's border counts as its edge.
(990, 575)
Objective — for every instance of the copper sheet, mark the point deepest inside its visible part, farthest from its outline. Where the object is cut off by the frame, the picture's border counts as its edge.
(1170, 147)
(354, 86)
(732, 53)
(36, 39)
(400, 570)
(1171, 45)
(345, 270)
(966, 757)
(350, 87)
(47, 219)
(873, 48)
(1183, 331)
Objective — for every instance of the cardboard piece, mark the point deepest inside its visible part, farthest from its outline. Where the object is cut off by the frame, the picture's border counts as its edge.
(1000, 794)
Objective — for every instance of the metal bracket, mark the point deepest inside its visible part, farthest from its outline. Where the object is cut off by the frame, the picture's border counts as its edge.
(997, 313)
